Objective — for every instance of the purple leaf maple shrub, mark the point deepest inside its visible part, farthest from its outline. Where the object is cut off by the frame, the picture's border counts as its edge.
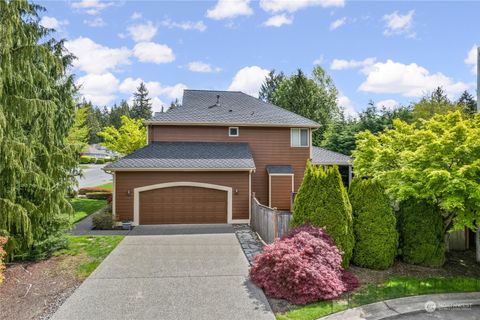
(302, 267)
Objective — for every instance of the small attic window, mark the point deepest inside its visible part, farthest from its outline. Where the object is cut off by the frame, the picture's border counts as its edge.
(233, 132)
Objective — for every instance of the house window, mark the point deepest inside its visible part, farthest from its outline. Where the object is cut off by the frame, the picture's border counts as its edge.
(300, 137)
(233, 132)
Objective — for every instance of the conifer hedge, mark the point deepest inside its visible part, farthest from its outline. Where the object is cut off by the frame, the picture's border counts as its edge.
(322, 201)
(374, 225)
(421, 234)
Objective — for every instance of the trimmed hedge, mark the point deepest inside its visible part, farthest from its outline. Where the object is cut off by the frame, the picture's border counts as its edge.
(421, 234)
(87, 159)
(374, 225)
(102, 221)
(322, 201)
(85, 190)
(98, 195)
(100, 161)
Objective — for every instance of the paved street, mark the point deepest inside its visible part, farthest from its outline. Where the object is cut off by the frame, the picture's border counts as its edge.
(174, 275)
(93, 176)
(468, 313)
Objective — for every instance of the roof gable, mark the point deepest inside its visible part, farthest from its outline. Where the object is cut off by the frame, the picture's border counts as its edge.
(207, 107)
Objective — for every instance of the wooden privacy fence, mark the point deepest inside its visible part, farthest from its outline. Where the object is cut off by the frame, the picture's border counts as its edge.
(268, 222)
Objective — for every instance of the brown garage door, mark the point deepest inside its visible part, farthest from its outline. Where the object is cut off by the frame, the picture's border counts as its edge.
(183, 205)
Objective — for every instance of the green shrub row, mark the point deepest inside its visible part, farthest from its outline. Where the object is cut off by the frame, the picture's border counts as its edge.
(89, 159)
(363, 223)
(98, 195)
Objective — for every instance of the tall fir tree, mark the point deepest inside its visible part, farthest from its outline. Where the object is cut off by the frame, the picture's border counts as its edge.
(142, 106)
(272, 81)
(467, 103)
(116, 113)
(37, 109)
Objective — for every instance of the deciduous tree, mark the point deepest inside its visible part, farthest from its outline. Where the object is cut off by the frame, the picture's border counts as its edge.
(131, 135)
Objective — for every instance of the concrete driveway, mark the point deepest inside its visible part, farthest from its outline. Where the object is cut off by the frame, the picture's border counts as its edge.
(157, 273)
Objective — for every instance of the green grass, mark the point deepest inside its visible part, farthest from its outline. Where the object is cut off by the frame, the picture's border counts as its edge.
(83, 166)
(84, 207)
(108, 186)
(394, 288)
(91, 250)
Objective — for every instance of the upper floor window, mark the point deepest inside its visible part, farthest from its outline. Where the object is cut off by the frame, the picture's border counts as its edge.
(300, 137)
(233, 132)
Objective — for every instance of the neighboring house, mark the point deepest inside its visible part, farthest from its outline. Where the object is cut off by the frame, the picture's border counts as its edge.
(204, 159)
(99, 152)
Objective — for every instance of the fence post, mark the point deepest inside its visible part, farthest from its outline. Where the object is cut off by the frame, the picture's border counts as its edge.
(275, 223)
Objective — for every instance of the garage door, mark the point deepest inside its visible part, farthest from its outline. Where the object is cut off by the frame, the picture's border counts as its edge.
(183, 205)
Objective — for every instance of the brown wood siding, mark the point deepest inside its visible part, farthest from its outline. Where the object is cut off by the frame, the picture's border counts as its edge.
(270, 146)
(130, 180)
(181, 205)
(281, 192)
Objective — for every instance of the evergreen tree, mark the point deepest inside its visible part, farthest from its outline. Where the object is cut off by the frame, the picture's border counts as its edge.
(79, 132)
(467, 103)
(374, 225)
(322, 201)
(435, 103)
(270, 85)
(94, 121)
(37, 110)
(116, 113)
(142, 106)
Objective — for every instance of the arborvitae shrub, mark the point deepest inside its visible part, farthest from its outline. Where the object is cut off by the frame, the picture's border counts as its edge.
(374, 225)
(421, 234)
(322, 201)
(303, 267)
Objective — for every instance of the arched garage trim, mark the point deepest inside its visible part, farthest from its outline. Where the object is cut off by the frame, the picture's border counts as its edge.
(136, 195)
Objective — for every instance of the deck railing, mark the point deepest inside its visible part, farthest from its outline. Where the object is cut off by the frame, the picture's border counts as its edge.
(269, 223)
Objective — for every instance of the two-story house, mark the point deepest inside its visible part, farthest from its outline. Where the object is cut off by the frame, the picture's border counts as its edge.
(204, 159)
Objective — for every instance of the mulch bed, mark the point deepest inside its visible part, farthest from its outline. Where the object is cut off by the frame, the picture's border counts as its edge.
(35, 290)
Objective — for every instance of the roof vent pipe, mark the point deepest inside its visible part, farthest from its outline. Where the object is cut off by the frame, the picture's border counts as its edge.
(218, 100)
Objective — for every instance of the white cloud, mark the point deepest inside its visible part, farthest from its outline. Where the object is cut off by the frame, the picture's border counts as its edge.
(95, 22)
(397, 24)
(130, 85)
(158, 105)
(278, 20)
(471, 59)
(249, 80)
(53, 23)
(341, 64)
(142, 32)
(319, 60)
(136, 15)
(198, 66)
(388, 104)
(227, 9)
(347, 105)
(185, 25)
(91, 7)
(409, 80)
(153, 52)
(338, 23)
(96, 58)
(294, 5)
(98, 88)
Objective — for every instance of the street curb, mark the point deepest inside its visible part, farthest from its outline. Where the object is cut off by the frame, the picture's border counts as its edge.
(395, 307)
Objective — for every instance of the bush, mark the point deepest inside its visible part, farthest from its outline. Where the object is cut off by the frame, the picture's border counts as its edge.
(374, 225)
(421, 234)
(322, 201)
(102, 221)
(98, 195)
(100, 161)
(303, 267)
(84, 191)
(3, 241)
(87, 159)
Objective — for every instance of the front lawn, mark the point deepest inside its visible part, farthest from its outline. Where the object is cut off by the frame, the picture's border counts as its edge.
(84, 207)
(90, 249)
(394, 288)
(108, 185)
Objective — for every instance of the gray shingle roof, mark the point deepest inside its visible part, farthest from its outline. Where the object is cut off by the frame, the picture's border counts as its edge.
(187, 155)
(234, 108)
(324, 156)
(279, 169)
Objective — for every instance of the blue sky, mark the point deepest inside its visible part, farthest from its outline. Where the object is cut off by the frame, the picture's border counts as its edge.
(387, 51)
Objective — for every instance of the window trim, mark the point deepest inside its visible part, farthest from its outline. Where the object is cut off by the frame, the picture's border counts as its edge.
(233, 135)
(300, 130)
